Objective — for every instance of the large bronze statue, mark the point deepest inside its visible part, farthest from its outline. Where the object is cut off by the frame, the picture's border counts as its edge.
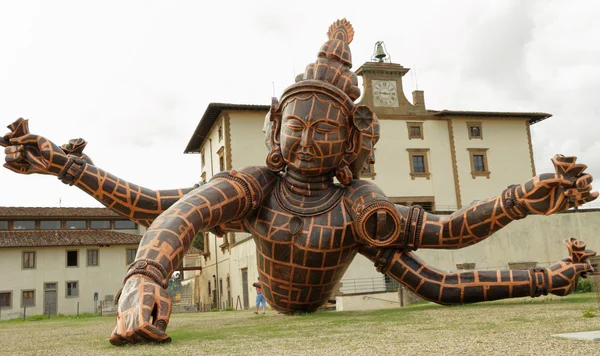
(307, 228)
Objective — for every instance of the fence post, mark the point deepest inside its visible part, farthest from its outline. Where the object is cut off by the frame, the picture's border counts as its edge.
(24, 312)
(78, 309)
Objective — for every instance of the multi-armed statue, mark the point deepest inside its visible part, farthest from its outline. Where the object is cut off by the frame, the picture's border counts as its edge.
(307, 228)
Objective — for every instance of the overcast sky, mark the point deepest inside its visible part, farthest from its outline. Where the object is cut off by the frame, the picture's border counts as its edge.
(133, 78)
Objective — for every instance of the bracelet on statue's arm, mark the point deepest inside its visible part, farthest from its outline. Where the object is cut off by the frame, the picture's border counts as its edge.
(140, 267)
(511, 205)
(72, 170)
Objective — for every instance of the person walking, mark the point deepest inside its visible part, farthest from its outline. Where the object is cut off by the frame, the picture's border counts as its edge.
(260, 298)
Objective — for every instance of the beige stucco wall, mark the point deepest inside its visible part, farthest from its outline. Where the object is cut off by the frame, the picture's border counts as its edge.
(105, 279)
(247, 143)
(392, 166)
(507, 156)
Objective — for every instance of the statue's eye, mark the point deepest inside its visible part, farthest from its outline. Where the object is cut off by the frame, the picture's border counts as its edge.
(294, 124)
(324, 128)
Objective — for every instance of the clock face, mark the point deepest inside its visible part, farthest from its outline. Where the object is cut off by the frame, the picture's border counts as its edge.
(385, 93)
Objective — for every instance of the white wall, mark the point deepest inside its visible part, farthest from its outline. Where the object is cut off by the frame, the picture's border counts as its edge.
(105, 279)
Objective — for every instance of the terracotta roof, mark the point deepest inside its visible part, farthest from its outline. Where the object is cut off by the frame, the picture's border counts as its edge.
(213, 110)
(532, 116)
(9, 211)
(66, 238)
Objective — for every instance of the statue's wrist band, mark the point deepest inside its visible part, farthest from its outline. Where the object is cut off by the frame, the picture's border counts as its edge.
(511, 205)
(72, 170)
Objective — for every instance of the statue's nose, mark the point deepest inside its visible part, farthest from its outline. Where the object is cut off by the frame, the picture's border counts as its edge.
(306, 139)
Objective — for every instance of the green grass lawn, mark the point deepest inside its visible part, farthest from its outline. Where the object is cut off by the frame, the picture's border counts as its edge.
(521, 326)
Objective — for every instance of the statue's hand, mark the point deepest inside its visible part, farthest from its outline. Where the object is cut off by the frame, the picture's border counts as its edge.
(550, 193)
(27, 153)
(144, 309)
(563, 275)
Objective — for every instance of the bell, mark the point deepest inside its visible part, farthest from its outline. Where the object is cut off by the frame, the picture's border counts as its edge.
(379, 51)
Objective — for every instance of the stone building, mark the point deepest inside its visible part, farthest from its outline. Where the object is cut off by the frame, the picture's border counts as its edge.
(440, 159)
(62, 260)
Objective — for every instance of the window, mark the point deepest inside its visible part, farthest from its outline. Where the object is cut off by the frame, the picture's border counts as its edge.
(50, 225)
(24, 225)
(72, 258)
(6, 300)
(100, 224)
(76, 224)
(28, 298)
(415, 130)
(209, 289)
(220, 130)
(419, 167)
(203, 161)
(28, 259)
(131, 252)
(418, 164)
(72, 289)
(475, 130)
(221, 159)
(221, 286)
(479, 163)
(92, 257)
(125, 224)
(3, 225)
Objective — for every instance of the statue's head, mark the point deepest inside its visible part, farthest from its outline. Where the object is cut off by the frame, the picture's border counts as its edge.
(316, 129)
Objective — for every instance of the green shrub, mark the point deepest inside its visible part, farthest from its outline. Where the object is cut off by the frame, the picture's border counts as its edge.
(589, 313)
(214, 310)
(584, 285)
(229, 309)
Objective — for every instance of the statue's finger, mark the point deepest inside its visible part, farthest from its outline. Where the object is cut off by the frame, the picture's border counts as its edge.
(26, 139)
(13, 157)
(571, 192)
(13, 149)
(561, 163)
(552, 180)
(584, 180)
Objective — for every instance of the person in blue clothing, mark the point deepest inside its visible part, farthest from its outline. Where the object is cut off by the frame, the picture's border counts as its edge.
(260, 298)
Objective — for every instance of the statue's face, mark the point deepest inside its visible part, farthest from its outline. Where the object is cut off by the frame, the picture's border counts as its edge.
(313, 135)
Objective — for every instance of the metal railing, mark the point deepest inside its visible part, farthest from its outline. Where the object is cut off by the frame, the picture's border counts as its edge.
(368, 285)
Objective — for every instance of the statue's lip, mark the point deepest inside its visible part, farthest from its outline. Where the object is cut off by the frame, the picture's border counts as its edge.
(305, 156)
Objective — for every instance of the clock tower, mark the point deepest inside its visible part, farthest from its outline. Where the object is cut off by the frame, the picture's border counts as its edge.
(383, 90)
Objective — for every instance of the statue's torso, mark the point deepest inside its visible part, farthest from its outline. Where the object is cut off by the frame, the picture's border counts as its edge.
(302, 254)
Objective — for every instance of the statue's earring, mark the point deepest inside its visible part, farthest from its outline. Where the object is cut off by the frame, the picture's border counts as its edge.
(275, 158)
(343, 172)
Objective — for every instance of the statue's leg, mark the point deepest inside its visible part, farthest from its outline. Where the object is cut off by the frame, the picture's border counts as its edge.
(477, 286)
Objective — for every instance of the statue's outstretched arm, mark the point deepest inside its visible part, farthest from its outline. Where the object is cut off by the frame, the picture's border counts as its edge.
(27, 154)
(477, 286)
(144, 306)
(544, 194)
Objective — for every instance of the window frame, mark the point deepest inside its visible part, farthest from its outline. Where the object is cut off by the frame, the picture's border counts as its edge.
(76, 228)
(60, 225)
(479, 152)
(67, 289)
(127, 255)
(424, 152)
(97, 257)
(477, 124)
(100, 228)
(220, 131)
(221, 154)
(135, 226)
(23, 299)
(27, 229)
(23, 259)
(10, 299)
(67, 258)
(418, 124)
